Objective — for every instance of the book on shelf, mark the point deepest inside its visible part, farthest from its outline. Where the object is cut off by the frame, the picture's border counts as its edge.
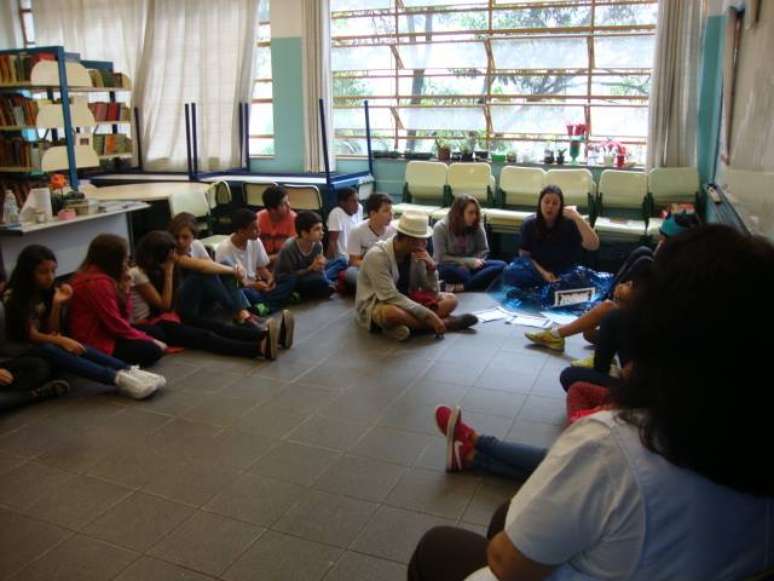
(114, 111)
(17, 110)
(112, 144)
(17, 68)
(107, 79)
(18, 153)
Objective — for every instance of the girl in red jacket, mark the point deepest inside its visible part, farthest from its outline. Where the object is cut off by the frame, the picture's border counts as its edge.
(99, 310)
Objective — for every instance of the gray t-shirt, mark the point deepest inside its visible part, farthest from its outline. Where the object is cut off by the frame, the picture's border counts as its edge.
(291, 259)
(362, 238)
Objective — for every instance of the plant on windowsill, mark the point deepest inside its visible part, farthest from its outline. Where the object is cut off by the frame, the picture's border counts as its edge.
(443, 149)
(467, 153)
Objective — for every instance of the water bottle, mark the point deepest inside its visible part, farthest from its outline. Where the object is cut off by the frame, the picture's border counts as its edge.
(10, 209)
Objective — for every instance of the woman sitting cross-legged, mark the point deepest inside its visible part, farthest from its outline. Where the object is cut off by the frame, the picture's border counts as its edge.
(153, 283)
(34, 314)
(551, 243)
(460, 248)
(669, 483)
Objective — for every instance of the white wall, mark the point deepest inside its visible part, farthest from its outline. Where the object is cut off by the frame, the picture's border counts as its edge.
(286, 18)
(10, 27)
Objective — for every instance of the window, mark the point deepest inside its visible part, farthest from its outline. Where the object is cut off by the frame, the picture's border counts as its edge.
(500, 75)
(27, 27)
(261, 107)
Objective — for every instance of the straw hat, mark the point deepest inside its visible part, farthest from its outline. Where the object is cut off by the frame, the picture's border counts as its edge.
(415, 224)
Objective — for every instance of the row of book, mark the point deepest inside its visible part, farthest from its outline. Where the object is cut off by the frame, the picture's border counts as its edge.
(112, 144)
(18, 153)
(20, 187)
(103, 111)
(17, 68)
(109, 79)
(16, 111)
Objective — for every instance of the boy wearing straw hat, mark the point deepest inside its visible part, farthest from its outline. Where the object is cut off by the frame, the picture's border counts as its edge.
(397, 286)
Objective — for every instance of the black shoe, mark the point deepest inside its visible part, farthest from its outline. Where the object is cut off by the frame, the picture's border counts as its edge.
(461, 322)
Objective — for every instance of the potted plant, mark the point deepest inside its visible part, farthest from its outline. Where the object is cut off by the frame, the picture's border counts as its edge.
(443, 149)
(511, 156)
(467, 153)
(560, 157)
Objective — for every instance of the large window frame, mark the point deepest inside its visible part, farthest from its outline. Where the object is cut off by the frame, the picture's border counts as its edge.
(492, 101)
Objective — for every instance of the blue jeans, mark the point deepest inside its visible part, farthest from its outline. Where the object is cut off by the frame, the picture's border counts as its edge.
(350, 276)
(474, 279)
(276, 298)
(507, 459)
(334, 267)
(314, 286)
(199, 292)
(93, 364)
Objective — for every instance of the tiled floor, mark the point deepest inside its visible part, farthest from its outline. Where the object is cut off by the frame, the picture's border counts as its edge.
(323, 465)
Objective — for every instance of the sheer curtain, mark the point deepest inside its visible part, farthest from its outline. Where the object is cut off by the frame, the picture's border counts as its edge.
(317, 83)
(674, 97)
(175, 51)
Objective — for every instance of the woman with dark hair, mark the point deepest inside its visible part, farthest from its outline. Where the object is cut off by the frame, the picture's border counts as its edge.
(205, 283)
(670, 483)
(460, 248)
(551, 242)
(34, 314)
(154, 286)
(99, 309)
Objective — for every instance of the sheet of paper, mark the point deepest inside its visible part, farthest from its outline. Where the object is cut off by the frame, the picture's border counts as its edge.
(490, 315)
(529, 321)
(559, 318)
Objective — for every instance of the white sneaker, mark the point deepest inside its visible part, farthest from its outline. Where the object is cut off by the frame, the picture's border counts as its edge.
(160, 379)
(134, 386)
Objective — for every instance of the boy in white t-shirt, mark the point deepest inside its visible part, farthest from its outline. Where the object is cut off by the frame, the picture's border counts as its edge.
(245, 249)
(376, 228)
(341, 221)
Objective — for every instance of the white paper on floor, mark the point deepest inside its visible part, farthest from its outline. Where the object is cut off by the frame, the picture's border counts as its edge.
(559, 318)
(491, 315)
(530, 321)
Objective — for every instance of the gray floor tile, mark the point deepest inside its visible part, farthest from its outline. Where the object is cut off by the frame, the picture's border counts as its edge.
(24, 485)
(355, 566)
(139, 521)
(393, 533)
(77, 502)
(444, 495)
(81, 558)
(257, 500)
(23, 539)
(295, 463)
(207, 542)
(459, 373)
(433, 393)
(410, 417)
(488, 498)
(209, 380)
(326, 518)
(328, 433)
(301, 399)
(270, 421)
(187, 483)
(491, 402)
(147, 569)
(220, 410)
(544, 409)
(360, 478)
(277, 557)
(392, 445)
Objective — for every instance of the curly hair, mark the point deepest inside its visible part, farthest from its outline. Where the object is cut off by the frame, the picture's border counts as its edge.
(697, 390)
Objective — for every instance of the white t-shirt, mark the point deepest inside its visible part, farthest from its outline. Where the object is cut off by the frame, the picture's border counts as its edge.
(362, 238)
(602, 506)
(140, 309)
(341, 222)
(251, 258)
(197, 250)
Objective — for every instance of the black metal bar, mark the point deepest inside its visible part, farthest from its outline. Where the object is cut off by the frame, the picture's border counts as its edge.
(240, 111)
(247, 136)
(188, 140)
(195, 141)
(368, 137)
(138, 137)
(324, 135)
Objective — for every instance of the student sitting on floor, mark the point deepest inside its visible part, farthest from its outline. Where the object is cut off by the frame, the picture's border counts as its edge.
(551, 243)
(301, 261)
(635, 267)
(397, 287)
(460, 248)
(466, 449)
(670, 484)
(204, 282)
(34, 314)
(276, 222)
(153, 288)
(244, 250)
(99, 309)
(377, 227)
(341, 221)
(27, 379)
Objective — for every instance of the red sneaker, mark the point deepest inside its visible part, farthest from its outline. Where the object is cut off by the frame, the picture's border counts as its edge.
(447, 418)
(456, 452)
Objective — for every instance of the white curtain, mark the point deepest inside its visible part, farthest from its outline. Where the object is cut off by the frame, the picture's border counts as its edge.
(100, 30)
(175, 51)
(674, 97)
(317, 83)
(10, 28)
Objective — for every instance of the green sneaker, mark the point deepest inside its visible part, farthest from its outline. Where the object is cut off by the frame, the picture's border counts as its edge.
(261, 309)
(586, 362)
(546, 339)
